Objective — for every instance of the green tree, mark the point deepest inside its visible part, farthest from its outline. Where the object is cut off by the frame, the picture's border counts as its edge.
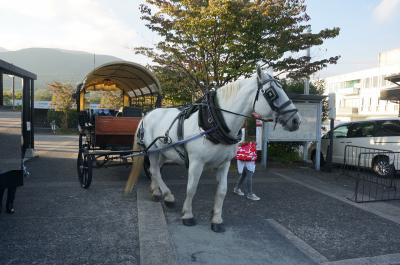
(43, 94)
(207, 43)
(176, 87)
(111, 100)
(62, 99)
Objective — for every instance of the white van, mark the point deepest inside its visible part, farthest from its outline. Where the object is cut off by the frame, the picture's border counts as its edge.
(378, 134)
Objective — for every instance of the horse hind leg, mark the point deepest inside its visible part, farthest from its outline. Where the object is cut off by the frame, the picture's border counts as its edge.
(158, 187)
(217, 221)
(195, 170)
(155, 191)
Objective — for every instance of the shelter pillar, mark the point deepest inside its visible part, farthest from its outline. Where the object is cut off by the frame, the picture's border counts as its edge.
(1, 89)
(32, 94)
(27, 132)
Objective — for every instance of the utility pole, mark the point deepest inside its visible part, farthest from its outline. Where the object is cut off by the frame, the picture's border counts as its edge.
(306, 92)
(307, 81)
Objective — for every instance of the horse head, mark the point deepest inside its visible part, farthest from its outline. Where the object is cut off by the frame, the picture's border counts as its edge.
(271, 100)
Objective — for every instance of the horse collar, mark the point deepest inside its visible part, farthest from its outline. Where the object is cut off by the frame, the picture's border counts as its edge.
(210, 116)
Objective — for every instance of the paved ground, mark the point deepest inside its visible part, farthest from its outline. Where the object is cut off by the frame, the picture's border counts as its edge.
(57, 222)
(333, 228)
(303, 218)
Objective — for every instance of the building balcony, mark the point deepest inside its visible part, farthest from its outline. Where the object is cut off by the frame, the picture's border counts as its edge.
(349, 91)
(347, 111)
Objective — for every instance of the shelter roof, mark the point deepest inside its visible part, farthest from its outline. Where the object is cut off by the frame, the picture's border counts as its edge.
(394, 79)
(303, 97)
(390, 94)
(10, 69)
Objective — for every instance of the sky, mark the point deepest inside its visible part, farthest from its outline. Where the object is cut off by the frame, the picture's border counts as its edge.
(113, 27)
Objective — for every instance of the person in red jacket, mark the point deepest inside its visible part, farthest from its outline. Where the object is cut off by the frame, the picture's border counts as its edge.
(246, 156)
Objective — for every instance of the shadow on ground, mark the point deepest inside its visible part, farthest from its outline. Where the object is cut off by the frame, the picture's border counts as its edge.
(58, 222)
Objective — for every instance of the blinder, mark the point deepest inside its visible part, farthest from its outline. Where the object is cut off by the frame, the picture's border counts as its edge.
(271, 95)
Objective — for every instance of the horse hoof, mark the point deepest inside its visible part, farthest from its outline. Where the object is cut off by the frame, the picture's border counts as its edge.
(218, 228)
(156, 198)
(169, 204)
(189, 222)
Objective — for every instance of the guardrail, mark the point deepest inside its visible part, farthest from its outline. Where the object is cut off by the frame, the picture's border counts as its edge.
(376, 173)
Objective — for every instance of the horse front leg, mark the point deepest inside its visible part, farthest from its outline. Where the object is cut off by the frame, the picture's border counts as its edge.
(195, 170)
(157, 184)
(216, 221)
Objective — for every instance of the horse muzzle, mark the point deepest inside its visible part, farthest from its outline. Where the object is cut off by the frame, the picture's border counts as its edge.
(292, 124)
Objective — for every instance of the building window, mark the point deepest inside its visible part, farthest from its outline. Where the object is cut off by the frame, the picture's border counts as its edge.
(370, 104)
(375, 81)
(367, 82)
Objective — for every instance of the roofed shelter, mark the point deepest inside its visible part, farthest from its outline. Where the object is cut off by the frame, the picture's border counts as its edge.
(27, 103)
(13, 125)
(132, 79)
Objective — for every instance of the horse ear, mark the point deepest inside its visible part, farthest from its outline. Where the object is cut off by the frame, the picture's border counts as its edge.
(259, 72)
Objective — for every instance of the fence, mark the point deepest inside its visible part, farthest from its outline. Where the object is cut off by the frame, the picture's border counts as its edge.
(376, 173)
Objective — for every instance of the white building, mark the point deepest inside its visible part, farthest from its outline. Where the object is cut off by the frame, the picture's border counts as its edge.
(358, 93)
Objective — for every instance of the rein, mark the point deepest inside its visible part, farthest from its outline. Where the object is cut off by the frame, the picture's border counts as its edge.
(270, 95)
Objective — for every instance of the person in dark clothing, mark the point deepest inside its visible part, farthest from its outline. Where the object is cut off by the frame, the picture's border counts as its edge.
(10, 199)
(10, 181)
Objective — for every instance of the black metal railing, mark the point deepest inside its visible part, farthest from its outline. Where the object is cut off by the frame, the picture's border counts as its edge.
(376, 173)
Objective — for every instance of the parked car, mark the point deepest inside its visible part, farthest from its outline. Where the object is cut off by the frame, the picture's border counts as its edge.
(381, 134)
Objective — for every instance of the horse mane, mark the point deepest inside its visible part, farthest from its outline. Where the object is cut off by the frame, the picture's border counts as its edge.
(229, 90)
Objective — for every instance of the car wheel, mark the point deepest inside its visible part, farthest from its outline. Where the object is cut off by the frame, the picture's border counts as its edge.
(382, 167)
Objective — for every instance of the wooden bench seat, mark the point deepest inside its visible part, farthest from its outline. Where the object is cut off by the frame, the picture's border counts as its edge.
(115, 131)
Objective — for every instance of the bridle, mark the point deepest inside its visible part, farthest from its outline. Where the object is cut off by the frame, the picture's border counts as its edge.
(271, 95)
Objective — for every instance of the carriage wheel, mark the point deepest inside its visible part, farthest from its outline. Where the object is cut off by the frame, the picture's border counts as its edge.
(85, 166)
(146, 167)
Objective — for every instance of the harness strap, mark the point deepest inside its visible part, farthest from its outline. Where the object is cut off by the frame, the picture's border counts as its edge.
(180, 133)
(178, 142)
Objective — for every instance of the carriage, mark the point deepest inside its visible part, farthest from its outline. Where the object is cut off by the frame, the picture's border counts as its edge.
(201, 135)
(106, 135)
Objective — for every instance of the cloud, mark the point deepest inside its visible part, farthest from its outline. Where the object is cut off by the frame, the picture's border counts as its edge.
(69, 24)
(386, 9)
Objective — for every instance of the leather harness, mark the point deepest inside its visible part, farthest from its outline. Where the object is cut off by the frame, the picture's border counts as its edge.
(212, 122)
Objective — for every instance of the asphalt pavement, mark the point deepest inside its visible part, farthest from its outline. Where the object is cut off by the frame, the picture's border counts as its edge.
(303, 217)
(292, 223)
(58, 222)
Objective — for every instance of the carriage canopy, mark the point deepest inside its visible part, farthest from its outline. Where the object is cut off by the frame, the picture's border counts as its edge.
(132, 79)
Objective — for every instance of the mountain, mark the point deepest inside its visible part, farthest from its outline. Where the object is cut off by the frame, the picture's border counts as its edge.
(54, 64)
(2, 49)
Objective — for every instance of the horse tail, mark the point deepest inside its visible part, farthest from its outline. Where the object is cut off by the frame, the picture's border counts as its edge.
(137, 163)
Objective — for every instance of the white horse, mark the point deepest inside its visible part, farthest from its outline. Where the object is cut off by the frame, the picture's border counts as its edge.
(261, 94)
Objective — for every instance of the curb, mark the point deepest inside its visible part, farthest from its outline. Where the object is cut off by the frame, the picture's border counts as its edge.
(155, 243)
